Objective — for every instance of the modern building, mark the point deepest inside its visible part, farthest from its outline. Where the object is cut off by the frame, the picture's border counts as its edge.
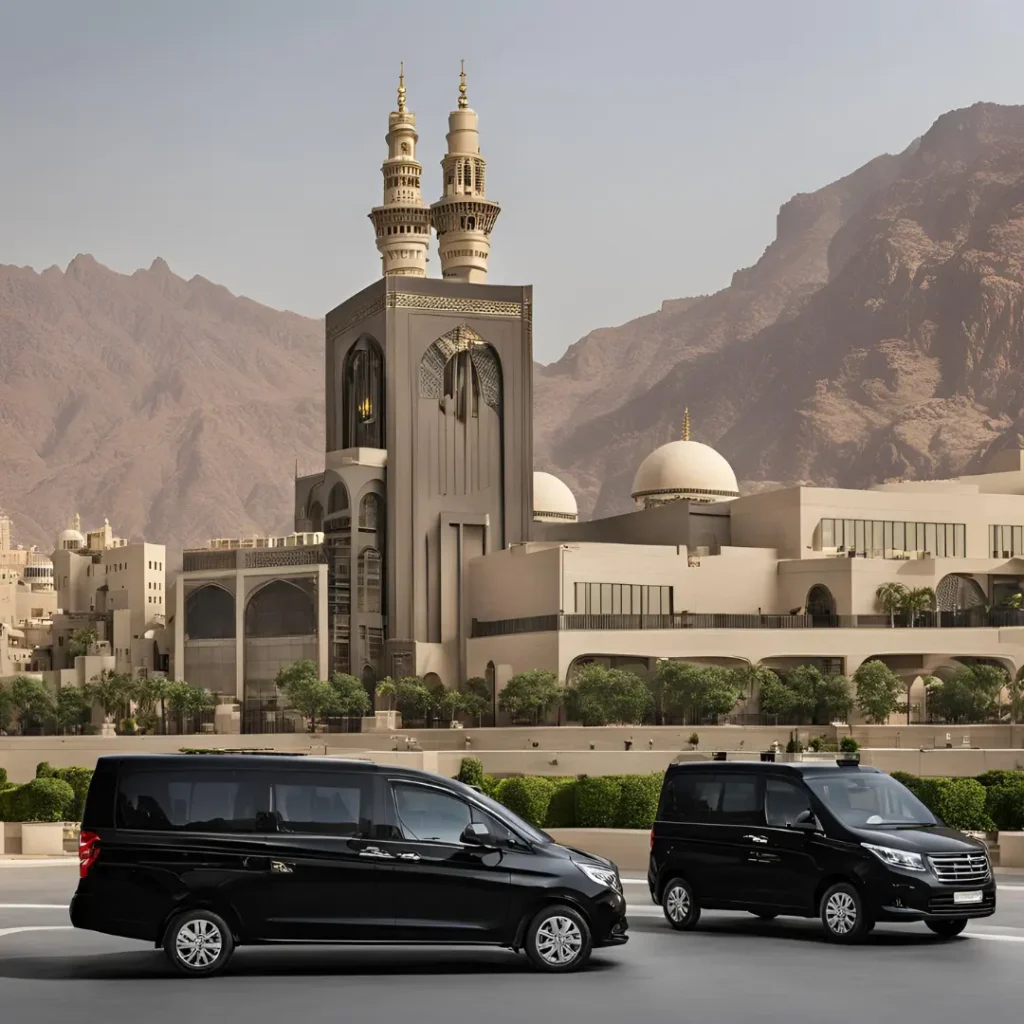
(446, 556)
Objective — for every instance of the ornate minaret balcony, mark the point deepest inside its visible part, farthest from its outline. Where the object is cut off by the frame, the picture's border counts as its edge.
(464, 217)
(402, 223)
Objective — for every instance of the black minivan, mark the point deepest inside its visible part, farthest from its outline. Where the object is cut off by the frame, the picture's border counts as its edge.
(199, 853)
(834, 840)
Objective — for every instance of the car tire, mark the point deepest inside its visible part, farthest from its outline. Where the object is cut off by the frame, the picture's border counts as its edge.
(948, 929)
(198, 943)
(680, 905)
(765, 915)
(558, 940)
(843, 914)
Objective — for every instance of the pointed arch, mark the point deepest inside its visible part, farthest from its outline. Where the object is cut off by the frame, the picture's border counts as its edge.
(371, 512)
(338, 499)
(476, 374)
(315, 515)
(363, 390)
(280, 608)
(210, 613)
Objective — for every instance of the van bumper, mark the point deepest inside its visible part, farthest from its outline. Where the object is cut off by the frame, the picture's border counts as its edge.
(921, 902)
(88, 913)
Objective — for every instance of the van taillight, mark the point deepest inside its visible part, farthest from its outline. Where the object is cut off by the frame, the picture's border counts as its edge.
(88, 851)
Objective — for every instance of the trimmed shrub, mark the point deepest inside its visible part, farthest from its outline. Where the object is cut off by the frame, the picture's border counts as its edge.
(471, 772)
(912, 782)
(638, 800)
(78, 779)
(38, 800)
(528, 796)
(490, 786)
(848, 745)
(1000, 778)
(44, 770)
(597, 801)
(562, 808)
(1005, 804)
(960, 803)
(3, 776)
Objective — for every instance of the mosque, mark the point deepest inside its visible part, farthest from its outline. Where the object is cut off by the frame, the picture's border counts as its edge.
(439, 552)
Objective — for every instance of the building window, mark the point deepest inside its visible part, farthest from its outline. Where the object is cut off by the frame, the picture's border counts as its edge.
(622, 599)
(368, 581)
(1005, 541)
(370, 518)
(364, 396)
(880, 538)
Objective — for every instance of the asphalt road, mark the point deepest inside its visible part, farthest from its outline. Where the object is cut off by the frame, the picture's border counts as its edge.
(733, 969)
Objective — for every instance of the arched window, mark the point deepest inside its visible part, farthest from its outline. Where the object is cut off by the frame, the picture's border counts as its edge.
(280, 608)
(315, 515)
(209, 614)
(469, 175)
(371, 517)
(471, 223)
(338, 500)
(368, 581)
(364, 395)
(821, 605)
(462, 385)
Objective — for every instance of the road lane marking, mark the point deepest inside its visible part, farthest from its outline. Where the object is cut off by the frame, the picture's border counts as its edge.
(33, 906)
(1001, 886)
(36, 928)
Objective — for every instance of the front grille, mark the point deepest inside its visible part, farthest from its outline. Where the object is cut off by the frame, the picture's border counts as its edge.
(945, 905)
(960, 868)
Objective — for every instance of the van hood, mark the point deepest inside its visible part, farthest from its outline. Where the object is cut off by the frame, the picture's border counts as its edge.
(588, 858)
(921, 839)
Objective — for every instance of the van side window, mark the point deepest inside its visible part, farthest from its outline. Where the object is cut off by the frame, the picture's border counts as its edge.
(741, 801)
(206, 801)
(691, 796)
(428, 814)
(784, 802)
(326, 803)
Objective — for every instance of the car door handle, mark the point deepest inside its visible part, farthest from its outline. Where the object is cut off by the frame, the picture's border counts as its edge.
(756, 839)
(408, 856)
(280, 868)
(375, 853)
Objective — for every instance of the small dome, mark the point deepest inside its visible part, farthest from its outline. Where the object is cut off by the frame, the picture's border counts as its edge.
(553, 502)
(70, 540)
(685, 470)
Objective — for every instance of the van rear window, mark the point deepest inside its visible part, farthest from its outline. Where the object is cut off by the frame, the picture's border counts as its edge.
(207, 801)
(691, 797)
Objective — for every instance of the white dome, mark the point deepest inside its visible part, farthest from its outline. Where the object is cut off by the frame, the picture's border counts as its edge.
(70, 540)
(684, 469)
(553, 502)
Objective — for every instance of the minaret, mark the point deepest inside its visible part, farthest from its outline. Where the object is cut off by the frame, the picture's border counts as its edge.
(464, 217)
(402, 223)
(686, 424)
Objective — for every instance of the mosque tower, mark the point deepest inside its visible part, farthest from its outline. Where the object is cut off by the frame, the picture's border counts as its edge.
(464, 217)
(402, 223)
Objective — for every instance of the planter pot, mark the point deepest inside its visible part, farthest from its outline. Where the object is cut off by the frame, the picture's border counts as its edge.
(42, 838)
(1011, 849)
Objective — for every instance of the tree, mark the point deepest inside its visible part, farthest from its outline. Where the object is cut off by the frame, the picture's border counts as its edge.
(200, 700)
(821, 699)
(879, 691)
(73, 708)
(605, 696)
(917, 600)
(192, 701)
(114, 692)
(448, 703)
(413, 699)
(775, 698)
(149, 690)
(31, 701)
(478, 698)
(387, 690)
(306, 693)
(352, 699)
(970, 695)
(891, 597)
(6, 709)
(80, 641)
(529, 695)
(1016, 694)
(697, 691)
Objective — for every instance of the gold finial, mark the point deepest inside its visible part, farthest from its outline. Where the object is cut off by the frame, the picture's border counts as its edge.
(401, 88)
(463, 102)
(686, 424)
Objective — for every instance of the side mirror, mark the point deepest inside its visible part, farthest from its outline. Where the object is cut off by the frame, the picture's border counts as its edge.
(476, 834)
(805, 822)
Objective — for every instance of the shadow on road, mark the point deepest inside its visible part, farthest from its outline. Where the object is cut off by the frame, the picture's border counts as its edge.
(795, 930)
(253, 961)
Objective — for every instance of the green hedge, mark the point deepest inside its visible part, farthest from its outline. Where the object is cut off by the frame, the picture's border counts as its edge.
(38, 800)
(471, 772)
(959, 803)
(562, 808)
(597, 801)
(3, 776)
(528, 796)
(638, 800)
(1000, 778)
(1005, 804)
(77, 778)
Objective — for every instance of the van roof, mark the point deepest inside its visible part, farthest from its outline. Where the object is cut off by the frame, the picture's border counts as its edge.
(774, 767)
(252, 760)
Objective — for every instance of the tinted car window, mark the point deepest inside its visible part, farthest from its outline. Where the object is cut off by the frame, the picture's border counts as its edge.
(328, 803)
(205, 801)
(690, 796)
(429, 814)
(784, 802)
(869, 798)
(741, 801)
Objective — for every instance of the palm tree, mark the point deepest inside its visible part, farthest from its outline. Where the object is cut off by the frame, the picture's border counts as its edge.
(387, 690)
(917, 600)
(891, 597)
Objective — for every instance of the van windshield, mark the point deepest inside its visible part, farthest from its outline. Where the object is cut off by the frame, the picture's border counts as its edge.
(502, 813)
(869, 800)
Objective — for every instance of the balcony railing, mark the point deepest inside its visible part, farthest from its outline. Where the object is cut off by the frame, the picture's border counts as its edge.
(978, 618)
(253, 558)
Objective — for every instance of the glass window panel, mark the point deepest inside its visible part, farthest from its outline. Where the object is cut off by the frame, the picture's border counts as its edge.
(666, 600)
(940, 541)
(594, 598)
(960, 536)
(430, 815)
(324, 803)
(617, 598)
(899, 536)
(1018, 547)
(887, 537)
(950, 542)
(929, 537)
(627, 600)
(877, 540)
(644, 601)
(581, 598)
(606, 599)
(828, 533)
(859, 541)
(848, 534)
(691, 797)
(784, 802)
(637, 598)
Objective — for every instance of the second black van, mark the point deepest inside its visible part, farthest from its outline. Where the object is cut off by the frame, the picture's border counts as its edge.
(199, 853)
(834, 840)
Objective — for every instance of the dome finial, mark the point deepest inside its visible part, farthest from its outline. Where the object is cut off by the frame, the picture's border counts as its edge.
(401, 87)
(463, 101)
(686, 424)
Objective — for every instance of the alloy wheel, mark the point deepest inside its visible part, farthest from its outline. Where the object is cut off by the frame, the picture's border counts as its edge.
(559, 940)
(199, 943)
(677, 903)
(841, 913)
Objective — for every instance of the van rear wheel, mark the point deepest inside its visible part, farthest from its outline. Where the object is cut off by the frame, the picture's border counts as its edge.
(680, 905)
(198, 943)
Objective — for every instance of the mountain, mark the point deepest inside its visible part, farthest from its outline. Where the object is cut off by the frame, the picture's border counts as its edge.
(879, 335)
(172, 407)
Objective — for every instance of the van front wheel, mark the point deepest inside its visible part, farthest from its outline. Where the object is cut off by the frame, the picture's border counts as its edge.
(198, 943)
(680, 905)
(948, 929)
(843, 914)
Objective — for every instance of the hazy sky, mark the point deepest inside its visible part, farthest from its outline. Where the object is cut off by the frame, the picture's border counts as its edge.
(640, 150)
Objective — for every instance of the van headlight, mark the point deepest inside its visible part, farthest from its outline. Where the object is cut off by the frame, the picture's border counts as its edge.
(893, 858)
(608, 877)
